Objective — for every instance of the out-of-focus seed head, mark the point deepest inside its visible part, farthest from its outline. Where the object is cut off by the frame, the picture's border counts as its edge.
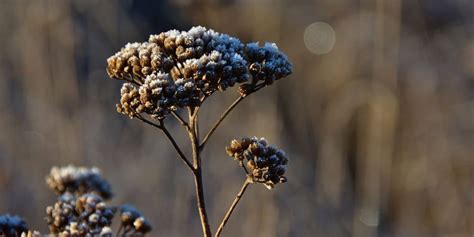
(264, 163)
(79, 216)
(12, 225)
(131, 218)
(196, 63)
(78, 180)
(142, 225)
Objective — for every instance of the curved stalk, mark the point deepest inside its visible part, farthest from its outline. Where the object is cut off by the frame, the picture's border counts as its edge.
(162, 127)
(232, 207)
(219, 121)
(227, 112)
(180, 119)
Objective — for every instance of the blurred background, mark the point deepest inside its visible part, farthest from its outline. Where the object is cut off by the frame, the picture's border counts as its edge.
(377, 118)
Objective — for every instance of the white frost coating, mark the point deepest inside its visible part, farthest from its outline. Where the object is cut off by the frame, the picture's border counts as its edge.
(179, 68)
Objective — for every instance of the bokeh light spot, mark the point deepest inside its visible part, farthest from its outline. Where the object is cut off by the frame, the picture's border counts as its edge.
(319, 38)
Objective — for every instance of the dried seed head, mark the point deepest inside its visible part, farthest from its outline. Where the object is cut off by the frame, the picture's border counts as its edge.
(78, 180)
(81, 216)
(267, 63)
(132, 218)
(129, 100)
(157, 95)
(199, 62)
(142, 225)
(134, 60)
(12, 225)
(264, 163)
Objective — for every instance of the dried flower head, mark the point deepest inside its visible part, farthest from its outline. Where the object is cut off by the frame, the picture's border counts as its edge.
(263, 163)
(78, 180)
(267, 63)
(79, 216)
(132, 219)
(12, 225)
(175, 69)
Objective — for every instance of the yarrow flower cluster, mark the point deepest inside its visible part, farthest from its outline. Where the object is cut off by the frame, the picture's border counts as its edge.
(12, 225)
(263, 163)
(133, 220)
(87, 215)
(78, 180)
(80, 210)
(177, 69)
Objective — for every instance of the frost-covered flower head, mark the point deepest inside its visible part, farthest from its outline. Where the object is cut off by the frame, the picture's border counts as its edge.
(263, 163)
(12, 225)
(78, 180)
(86, 215)
(175, 69)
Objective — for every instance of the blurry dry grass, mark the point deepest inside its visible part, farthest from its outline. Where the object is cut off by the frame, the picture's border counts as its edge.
(380, 130)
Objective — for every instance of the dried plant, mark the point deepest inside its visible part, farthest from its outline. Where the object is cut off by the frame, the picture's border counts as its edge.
(80, 209)
(181, 69)
(172, 71)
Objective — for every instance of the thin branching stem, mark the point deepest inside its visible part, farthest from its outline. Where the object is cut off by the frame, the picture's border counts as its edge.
(206, 229)
(243, 166)
(225, 113)
(162, 127)
(138, 116)
(201, 204)
(196, 125)
(181, 154)
(219, 121)
(232, 207)
(180, 119)
(119, 229)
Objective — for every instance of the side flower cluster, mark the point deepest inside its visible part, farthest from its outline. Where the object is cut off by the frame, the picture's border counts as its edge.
(263, 163)
(177, 69)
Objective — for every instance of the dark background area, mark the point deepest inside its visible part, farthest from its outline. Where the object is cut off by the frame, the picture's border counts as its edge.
(377, 118)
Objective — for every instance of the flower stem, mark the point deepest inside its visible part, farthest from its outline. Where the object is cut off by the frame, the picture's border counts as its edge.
(232, 207)
(162, 127)
(180, 120)
(219, 121)
(227, 112)
(206, 229)
(175, 145)
(201, 204)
